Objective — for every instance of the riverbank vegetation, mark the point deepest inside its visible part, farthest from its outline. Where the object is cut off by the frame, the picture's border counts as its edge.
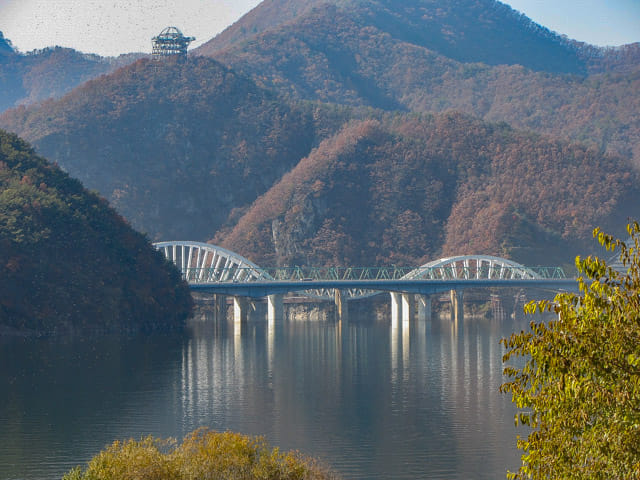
(579, 390)
(69, 262)
(202, 454)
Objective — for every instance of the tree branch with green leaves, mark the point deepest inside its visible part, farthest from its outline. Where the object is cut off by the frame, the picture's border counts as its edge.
(579, 388)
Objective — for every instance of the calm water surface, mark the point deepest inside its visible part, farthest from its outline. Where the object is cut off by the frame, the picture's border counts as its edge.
(373, 400)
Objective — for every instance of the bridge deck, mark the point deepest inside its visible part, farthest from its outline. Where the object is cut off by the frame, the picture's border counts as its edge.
(257, 289)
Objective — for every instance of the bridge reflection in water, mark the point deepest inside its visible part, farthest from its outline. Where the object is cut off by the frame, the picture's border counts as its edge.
(208, 268)
(375, 399)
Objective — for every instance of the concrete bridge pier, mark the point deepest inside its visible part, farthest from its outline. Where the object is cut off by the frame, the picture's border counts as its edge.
(240, 309)
(275, 307)
(408, 307)
(424, 308)
(342, 307)
(396, 308)
(457, 306)
(219, 307)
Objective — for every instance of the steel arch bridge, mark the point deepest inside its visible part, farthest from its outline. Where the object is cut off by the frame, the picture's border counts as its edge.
(479, 267)
(204, 264)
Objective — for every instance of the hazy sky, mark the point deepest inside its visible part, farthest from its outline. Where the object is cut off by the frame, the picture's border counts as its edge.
(111, 27)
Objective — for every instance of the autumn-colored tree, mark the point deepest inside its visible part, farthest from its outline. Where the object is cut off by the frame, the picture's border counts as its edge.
(579, 389)
(203, 454)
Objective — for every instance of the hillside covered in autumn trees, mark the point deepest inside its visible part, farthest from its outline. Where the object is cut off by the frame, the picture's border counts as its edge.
(475, 56)
(175, 148)
(63, 249)
(357, 199)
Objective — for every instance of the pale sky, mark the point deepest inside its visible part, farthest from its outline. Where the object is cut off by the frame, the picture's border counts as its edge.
(111, 27)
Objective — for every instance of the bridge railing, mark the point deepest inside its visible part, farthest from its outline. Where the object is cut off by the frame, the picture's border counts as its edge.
(310, 274)
(302, 273)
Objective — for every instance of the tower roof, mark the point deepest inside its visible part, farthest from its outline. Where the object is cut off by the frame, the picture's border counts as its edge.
(170, 41)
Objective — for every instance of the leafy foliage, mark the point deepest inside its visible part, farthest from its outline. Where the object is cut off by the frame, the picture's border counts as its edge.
(579, 390)
(202, 454)
(63, 248)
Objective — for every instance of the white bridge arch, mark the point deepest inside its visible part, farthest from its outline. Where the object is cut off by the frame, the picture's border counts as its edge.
(472, 267)
(205, 263)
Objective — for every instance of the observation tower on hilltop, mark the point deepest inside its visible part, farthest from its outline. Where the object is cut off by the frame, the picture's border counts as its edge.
(170, 42)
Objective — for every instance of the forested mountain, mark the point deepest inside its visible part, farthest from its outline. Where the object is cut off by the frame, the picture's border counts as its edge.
(362, 132)
(484, 31)
(174, 146)
(266, 15)
(477, 56)
(469, 31)
(50, 72)
(407, 189)
(6, 48)
(69, 262)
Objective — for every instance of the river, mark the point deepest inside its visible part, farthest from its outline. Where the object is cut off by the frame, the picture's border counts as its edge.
(373, 400)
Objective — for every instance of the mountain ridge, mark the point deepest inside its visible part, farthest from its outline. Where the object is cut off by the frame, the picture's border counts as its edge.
(49, 72)
(437, 23)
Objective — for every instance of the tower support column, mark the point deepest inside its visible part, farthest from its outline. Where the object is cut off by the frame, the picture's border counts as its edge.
(424, 308)
(219, 307)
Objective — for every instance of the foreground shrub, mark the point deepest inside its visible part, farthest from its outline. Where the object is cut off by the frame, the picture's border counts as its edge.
(579, 388)
(203, 455)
